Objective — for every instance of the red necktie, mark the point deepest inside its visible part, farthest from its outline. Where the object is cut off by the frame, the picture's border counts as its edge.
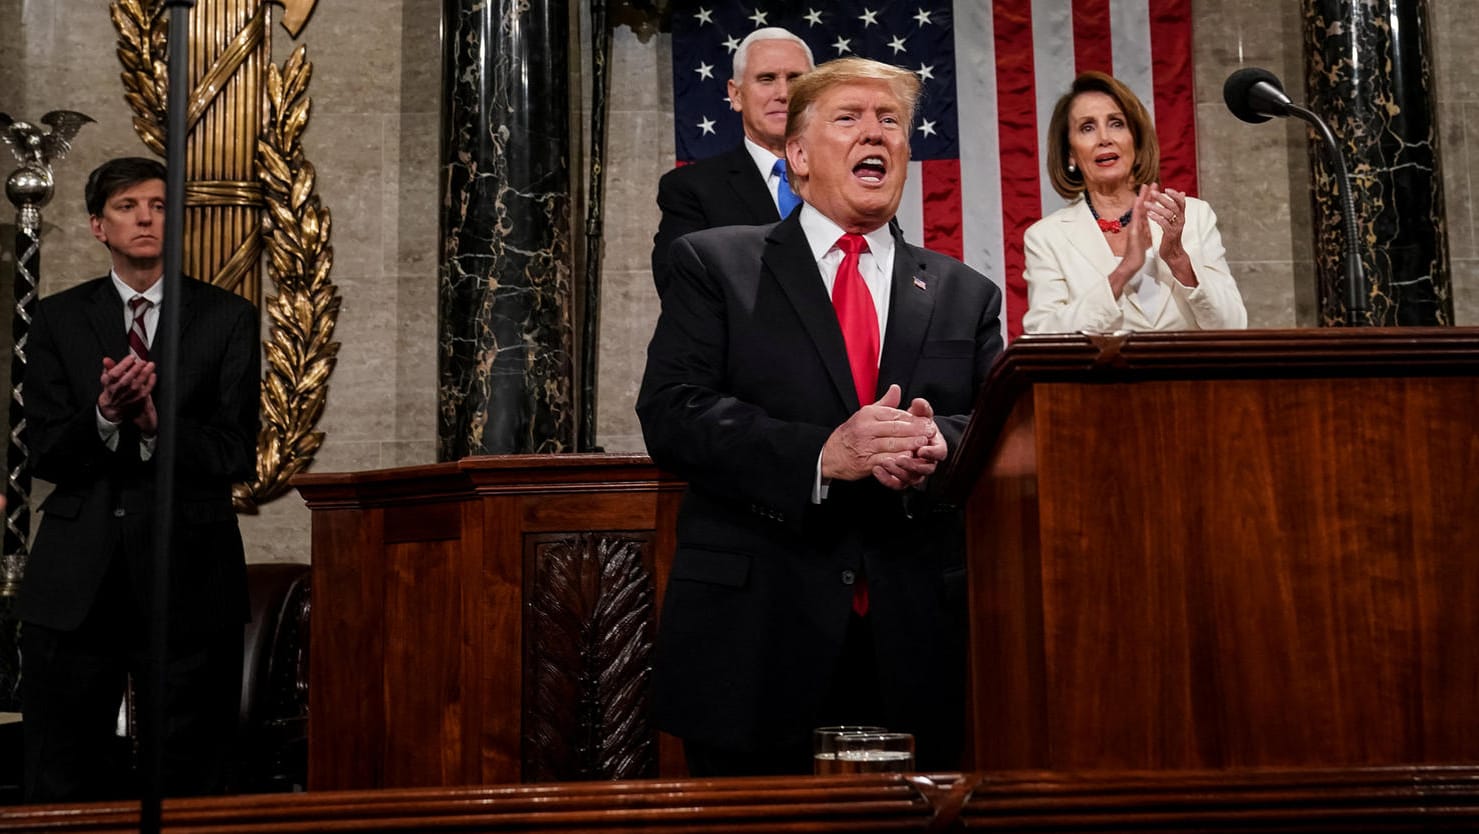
(859, 320)
(138, 334)
(858, 317)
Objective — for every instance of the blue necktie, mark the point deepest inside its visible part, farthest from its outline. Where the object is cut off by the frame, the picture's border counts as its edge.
(785, 198)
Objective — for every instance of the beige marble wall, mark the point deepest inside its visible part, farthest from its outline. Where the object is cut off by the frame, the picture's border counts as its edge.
(373, 137)
(1256, 176)
(1455, 32)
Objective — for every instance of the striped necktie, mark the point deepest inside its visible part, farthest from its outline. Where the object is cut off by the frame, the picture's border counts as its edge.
(138, 335)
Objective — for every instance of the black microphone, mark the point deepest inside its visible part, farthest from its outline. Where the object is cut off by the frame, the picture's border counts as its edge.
(1255, 95)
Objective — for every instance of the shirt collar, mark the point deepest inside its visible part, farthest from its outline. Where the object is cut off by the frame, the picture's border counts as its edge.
(761, 155)
(822, 235)
(155, 293)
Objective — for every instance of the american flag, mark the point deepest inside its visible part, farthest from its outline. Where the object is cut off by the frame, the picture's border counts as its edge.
(992, 70)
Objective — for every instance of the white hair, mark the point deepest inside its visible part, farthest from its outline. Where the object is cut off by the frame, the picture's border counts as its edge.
(769, 33)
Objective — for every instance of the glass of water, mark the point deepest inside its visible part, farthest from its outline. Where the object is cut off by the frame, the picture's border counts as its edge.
(875, 753)
(824, 746)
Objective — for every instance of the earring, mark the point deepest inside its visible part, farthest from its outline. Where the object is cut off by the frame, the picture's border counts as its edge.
(1072, 169)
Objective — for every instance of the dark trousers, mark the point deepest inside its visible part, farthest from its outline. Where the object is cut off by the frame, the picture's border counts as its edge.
(852, 698)
(73, 681)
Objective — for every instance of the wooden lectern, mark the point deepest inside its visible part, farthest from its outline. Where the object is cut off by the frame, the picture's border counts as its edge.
(1225, 550)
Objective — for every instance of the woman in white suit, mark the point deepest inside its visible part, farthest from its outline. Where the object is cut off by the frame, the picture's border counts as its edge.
(1124, 254)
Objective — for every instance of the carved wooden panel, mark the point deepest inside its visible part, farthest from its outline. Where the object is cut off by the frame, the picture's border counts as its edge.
(588, 624)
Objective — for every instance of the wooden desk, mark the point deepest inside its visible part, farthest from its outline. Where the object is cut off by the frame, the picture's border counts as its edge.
(487, 621)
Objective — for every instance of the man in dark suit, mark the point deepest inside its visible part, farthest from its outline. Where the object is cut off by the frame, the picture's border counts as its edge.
(91, 393)
(816, 581)
(738, 187)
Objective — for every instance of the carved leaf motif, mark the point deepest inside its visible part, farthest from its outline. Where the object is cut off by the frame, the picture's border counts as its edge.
(589, 626)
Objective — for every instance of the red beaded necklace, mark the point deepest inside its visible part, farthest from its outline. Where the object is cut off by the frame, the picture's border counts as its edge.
(1109, 226)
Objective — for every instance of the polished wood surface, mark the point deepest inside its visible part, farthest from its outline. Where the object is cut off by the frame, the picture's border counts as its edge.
(1325, 801)
(487, 621)
(1226, 550)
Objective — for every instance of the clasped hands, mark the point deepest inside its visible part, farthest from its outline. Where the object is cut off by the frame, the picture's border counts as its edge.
(898, 447)
(1168, 210)
(128, 388)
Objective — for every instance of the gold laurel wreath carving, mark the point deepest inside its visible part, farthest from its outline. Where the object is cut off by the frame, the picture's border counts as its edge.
(142, 32)
(300, 352)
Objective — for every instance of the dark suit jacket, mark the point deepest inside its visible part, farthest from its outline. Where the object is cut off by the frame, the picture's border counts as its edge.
(746, 378)
(103, 499)
(723, 190)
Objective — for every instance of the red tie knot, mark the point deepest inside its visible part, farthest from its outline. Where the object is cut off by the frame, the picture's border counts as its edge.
(852, 244)
(139, 302)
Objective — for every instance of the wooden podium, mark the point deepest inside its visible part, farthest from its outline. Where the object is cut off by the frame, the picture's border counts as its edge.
(487, 621)
(1226, 550)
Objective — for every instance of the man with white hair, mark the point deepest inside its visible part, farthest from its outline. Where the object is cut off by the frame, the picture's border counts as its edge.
(744, 186)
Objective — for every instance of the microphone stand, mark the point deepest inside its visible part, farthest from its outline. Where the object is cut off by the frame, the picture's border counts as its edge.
(1355, 274)
(167, 338)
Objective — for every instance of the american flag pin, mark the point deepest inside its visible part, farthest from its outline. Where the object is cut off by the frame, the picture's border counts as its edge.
(919, 282)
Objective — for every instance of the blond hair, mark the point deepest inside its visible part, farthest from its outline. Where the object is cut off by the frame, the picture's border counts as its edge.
(806, 90)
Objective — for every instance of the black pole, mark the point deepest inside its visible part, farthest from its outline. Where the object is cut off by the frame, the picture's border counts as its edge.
(1356, 288)
(167, 337)
(590, 326)
(17, 452)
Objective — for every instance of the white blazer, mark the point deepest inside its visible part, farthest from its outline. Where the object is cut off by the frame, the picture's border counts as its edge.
(1068, 266)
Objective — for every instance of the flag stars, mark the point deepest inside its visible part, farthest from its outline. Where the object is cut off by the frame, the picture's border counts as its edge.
(705, 70)
(923, 18)
(927, 127)
(926, 72)
(897, 44)
(706, 126)
(813, 18)
(869, 18)
(842, 45)
(732, 44)
(758, 17)
(704, 16)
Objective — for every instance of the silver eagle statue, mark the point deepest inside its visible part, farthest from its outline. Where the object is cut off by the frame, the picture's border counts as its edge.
(30, 186)
(34, 146)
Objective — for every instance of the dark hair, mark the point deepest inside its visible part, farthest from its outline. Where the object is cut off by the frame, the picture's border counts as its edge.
(1147, 168)
(114, 176)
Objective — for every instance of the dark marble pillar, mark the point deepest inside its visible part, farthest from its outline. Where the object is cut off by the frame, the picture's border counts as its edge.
(505, 339)
(1369, 76)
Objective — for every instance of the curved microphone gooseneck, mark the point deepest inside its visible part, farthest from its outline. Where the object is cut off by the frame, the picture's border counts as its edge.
(1255, 95)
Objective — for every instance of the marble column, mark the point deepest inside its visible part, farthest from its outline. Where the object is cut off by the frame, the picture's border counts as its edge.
(505, 331)
(1368, 75)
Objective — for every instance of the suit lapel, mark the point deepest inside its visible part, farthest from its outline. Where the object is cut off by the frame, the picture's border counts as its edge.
(788, 257)
(910, 307)
(183, 309)
(750, 186)
(105, 317)
(1084, 235)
